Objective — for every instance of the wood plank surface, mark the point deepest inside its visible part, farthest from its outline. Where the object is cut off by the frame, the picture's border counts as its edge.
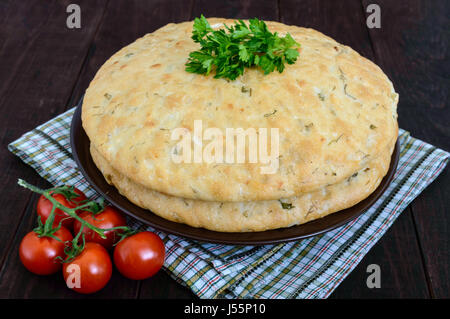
(401, 271)
(110, 35)
(345, 21)
(46, 67)
(414, 53)
(163, 284)
(35, 88)
(237, 9)
(122, 24)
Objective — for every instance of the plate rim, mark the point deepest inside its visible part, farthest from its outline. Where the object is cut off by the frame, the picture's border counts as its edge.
(366, 203)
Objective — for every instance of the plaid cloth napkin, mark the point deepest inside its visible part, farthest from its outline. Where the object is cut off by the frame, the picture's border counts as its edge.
(310, 268)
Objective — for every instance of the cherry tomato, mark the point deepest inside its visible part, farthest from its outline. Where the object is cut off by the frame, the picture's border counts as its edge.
(44, 207)
(139, 256)
(110, 217)
(92, 266)
(38, 253)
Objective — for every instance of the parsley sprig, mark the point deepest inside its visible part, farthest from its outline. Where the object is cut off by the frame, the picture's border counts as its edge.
(228, 51)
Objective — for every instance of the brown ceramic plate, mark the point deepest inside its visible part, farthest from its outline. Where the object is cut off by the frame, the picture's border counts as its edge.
(80, 149)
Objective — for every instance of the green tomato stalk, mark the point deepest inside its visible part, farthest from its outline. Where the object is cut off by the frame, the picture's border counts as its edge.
(47, 229)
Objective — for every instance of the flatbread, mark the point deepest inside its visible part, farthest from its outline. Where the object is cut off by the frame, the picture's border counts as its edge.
(335, 111)
(254, 215)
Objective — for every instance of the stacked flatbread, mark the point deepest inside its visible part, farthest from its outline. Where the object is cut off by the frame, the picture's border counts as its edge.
(335, 111)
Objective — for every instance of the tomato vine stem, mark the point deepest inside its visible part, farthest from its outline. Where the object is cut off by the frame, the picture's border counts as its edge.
(88, 205)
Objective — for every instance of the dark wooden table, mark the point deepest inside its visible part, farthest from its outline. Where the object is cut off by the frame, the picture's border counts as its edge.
(45, 68)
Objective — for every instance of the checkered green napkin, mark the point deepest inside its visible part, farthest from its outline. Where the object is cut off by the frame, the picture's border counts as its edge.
(309, 268)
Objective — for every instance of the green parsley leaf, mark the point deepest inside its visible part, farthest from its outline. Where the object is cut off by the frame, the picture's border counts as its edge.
(243, 53)
(228, 51)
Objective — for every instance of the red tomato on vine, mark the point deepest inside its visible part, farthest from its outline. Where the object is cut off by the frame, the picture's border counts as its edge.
(109, 218)
(70, 199)
(40, 254)
(139, 256)
(90, 271)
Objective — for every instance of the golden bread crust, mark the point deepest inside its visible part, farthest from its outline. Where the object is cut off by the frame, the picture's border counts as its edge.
(336, 112)
(250, 216)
